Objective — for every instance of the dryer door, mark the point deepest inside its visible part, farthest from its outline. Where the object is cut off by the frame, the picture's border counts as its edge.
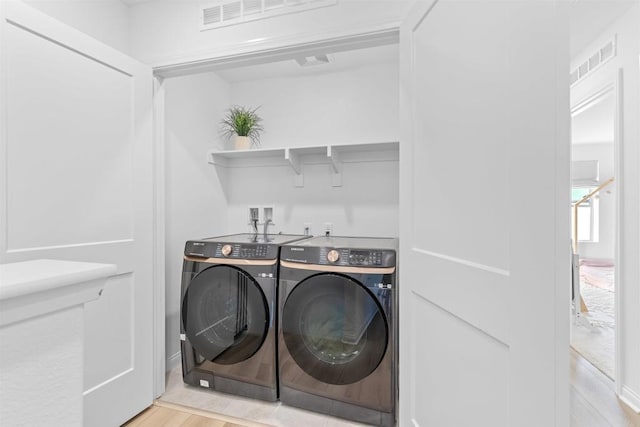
(334, 328)
(225, 314)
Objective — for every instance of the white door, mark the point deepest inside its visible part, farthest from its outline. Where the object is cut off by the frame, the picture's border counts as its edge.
(484, 255)
(76, 184)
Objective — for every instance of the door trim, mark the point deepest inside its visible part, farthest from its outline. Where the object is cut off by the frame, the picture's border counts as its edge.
(627, 395)
(270, 50)
(366, 37)
(618, 135)
(159, 306)
(613, 87)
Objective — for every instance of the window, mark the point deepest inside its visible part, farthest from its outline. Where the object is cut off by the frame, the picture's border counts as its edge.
(588, 217)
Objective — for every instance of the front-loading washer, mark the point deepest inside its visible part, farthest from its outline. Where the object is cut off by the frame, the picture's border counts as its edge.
(228, 306)
(338, 347)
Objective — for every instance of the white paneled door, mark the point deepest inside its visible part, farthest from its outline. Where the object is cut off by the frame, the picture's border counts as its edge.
(484, 208)
(76, 183)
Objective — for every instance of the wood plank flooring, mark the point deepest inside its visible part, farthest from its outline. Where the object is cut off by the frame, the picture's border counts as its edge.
(593, 399)
(162, 414)
(593, 404)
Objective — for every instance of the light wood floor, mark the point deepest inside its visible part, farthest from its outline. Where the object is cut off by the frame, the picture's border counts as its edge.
(593, 404)
(162, 414)
(593, 399)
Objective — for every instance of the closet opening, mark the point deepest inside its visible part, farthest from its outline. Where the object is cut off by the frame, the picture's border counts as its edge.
(594, 213)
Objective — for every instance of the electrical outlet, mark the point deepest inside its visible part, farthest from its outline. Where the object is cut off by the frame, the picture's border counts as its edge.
(307, 229)
(328, 228)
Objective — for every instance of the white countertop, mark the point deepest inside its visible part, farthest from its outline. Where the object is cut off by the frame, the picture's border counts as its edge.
(36, 287)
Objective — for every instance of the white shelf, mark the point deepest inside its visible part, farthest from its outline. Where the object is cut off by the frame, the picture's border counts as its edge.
(296, 157)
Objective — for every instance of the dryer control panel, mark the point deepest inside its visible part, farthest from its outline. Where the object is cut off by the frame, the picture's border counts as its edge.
(339, 256)
(230, 250)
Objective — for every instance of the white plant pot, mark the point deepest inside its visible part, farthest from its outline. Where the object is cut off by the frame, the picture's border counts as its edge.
(242, 142)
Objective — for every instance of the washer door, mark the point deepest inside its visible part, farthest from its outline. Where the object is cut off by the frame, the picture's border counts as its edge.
(225, 314)
(334, 329)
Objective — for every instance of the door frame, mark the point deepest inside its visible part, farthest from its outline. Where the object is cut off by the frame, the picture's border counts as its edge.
(159, 220)
(613, 87)
(267, 50)
(618, 165)
(270, 49)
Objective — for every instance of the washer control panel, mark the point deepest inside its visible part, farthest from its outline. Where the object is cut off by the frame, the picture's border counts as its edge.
(339, 256)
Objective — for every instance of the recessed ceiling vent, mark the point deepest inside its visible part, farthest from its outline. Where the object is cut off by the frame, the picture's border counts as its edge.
(601, 56)
(229, 12)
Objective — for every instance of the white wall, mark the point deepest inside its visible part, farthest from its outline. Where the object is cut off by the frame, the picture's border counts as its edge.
(104, 20)
(165, 32)
(348, 107)
(195, 202)
(604, 247)
(628, 37)
(365, 205)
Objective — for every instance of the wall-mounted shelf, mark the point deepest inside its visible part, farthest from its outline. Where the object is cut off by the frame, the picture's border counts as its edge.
(334, 155)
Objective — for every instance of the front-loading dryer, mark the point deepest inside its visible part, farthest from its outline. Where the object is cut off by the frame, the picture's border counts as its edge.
(338, 346)
(228, 306)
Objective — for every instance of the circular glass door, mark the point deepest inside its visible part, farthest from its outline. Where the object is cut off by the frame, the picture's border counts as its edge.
(225, 314)
(334, 329)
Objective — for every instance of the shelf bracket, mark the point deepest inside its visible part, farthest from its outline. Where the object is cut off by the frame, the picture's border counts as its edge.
(336, 166)
(213, 159)
(296, 165)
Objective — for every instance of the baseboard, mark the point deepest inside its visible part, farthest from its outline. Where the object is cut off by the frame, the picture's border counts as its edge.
(173, 361)
(631, 399)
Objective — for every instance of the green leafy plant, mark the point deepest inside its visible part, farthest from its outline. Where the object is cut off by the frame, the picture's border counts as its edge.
(242, 121)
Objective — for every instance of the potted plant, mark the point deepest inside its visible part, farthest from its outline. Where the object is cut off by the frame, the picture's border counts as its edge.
(244, 125)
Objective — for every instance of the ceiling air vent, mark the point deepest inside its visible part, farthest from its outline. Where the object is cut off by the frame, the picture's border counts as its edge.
(212, 15)
(273, 4)
(608, 51)
(230, 12)
(252, 6)
(573, 77)
(594, 61)
(601, 56)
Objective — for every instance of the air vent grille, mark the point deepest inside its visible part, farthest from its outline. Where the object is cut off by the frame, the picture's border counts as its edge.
(230, 12)
(252, 6)
(603, 54)
(273, 4)
(212, 15)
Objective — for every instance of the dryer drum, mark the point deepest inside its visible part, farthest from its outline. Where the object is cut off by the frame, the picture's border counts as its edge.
(334, 328)
(225, 314)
